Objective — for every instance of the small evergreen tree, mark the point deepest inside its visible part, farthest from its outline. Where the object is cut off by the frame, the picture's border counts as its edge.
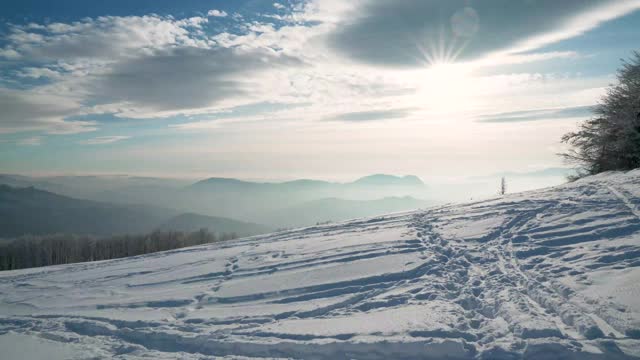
(503, 186)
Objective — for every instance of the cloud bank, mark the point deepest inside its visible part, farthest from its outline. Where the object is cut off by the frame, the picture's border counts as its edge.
(408, 33)
(103, 140)
(31, 111)
(373, 115)
(135, 66)
(317, 52)
(542, 114)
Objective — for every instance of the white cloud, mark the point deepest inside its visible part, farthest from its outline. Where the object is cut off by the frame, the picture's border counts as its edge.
(416, 33)
(580, 22)
(192, 22)
(38, 72)
(103, 39)
(9, 53)
(279, 6)
(511, 59)
(103, 140)
(148, 66)
(217, 13)
(33, 111)
(186, 79)
(31, 141)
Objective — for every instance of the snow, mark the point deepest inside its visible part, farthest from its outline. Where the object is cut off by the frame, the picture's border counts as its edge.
(552, 273)
(33, 347)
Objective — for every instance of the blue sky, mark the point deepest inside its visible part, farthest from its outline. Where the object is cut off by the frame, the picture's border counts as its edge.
(308, 88)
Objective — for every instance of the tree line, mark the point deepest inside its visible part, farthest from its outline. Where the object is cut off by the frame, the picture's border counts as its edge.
(43, 250)
(610, 139)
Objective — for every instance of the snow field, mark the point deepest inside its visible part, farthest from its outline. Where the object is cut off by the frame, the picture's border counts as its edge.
(546, 274)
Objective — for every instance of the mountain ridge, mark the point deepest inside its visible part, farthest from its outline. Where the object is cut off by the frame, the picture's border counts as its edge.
(375, 179)
(254, 202)
(32, 211)
(187, 222)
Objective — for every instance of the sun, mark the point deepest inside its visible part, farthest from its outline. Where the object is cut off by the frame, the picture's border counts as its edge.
(446, 71)
(446, 87)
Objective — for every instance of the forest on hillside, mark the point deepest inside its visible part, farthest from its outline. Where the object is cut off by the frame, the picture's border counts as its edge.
(43, 250)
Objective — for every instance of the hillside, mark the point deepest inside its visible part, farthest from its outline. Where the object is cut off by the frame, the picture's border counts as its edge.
(100, 188)
(33, 211)
(545, 274)
(191, 222)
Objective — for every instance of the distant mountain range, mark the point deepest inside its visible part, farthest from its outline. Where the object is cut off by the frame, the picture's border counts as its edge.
(390, 180)
(32, 211)
(251, 200)
(410, 182)
(285, 204)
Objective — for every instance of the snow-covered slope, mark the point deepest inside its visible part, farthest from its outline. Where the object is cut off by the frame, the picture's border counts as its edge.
(549, 274)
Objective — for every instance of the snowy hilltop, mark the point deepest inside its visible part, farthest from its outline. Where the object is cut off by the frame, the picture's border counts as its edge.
(546, 274)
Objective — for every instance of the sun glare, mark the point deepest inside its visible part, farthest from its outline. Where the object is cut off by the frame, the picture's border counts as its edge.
(446, 87)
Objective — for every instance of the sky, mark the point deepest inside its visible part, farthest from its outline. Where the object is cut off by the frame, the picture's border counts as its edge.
(326, 89)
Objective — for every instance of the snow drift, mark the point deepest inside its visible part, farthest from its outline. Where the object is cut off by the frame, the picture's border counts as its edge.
(552, 273)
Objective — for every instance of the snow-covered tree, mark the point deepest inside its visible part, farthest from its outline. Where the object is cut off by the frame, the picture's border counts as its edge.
(610, 140)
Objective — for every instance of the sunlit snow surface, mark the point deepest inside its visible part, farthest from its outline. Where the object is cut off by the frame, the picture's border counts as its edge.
(550, 274)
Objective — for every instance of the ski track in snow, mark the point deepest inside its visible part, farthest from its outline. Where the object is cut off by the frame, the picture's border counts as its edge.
(546, 274)
(625, 200)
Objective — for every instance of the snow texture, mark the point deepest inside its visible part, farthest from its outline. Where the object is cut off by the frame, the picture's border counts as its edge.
(547, 274)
